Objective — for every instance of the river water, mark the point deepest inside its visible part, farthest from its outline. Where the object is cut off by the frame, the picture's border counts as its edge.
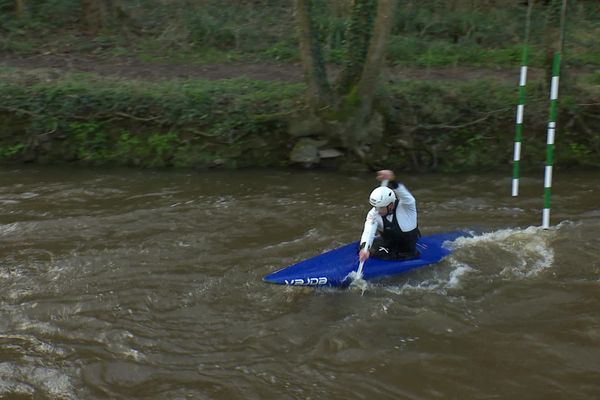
(128, 284)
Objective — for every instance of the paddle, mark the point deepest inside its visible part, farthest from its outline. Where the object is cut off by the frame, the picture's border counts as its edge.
(362, 263)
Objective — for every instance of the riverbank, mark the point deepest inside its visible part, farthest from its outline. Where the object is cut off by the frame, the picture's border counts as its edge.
(125, 112)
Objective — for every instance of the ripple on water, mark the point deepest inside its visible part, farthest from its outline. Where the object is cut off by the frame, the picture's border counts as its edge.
(31, 373)
(148, 285)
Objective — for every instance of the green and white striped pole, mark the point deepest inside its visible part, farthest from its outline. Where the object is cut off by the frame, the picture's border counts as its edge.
(552, 120)
(519, 124)
(521, 104)
(550, 139)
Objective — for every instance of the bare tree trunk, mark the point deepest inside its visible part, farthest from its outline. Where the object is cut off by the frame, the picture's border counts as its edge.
(21, 8)
(376, 54)
(358, 36)
(97, 14)
(339, 7)
(311, 54)
(349, 121)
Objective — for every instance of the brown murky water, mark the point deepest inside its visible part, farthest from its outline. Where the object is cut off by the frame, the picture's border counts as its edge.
(120, 284)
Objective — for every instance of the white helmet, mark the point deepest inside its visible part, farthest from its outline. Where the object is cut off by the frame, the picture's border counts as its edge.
(382, 197)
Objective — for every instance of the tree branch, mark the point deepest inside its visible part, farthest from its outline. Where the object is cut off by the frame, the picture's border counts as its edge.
(444, 126)
(122, 114)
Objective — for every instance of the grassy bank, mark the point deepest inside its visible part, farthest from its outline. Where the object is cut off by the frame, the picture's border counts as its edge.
(428, 33)
(108, 121)
(46, 117)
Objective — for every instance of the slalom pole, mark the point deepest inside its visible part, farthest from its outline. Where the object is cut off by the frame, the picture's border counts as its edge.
(521, 104)
(552, 121)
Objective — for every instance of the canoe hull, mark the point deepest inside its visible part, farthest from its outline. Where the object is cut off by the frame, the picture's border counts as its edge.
(332, 268)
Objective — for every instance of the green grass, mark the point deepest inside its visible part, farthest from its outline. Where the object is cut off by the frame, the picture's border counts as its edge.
(454, 126)
(413, 51)
(114, 121)
(428, 33)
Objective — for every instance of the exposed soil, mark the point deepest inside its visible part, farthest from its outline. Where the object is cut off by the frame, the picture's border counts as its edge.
(132, 68)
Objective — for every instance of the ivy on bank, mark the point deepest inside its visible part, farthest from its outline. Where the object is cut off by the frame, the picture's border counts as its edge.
(454, 126)
(107, 121)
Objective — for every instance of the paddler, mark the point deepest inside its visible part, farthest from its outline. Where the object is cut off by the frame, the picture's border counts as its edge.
(393, 219)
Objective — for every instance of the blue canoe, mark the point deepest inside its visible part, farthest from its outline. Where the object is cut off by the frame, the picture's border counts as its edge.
(333, 267)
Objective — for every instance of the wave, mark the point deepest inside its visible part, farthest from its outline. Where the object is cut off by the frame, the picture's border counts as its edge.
(485, 260)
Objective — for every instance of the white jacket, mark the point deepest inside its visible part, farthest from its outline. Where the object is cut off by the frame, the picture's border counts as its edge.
(406, 214)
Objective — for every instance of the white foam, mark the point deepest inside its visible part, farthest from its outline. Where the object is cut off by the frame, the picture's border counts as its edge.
(357, 282)
(454, 281)
(7, 229)
(430, 286)
(495, 237)
(531, 246)
(44, 381)
(505, 254)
